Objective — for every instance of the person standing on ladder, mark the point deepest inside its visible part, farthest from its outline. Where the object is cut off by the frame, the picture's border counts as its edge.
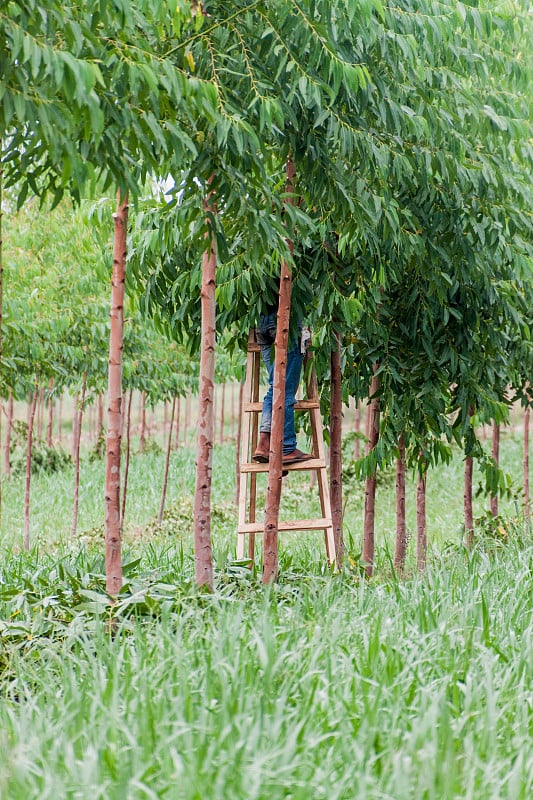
(266, 336)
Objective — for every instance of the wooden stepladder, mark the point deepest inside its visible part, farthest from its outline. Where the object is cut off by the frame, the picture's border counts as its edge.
(251, 416)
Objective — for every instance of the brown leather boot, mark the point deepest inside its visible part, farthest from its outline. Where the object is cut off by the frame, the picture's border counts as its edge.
(262, 452)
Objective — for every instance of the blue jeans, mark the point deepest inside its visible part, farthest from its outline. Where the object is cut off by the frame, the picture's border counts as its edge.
(266, 335)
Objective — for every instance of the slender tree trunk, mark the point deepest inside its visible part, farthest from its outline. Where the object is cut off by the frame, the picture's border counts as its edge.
(60, 419)
(421, 525)
(232, 395)
(178, 415)
(142, 442)
(188, 402)
(335, 473)
(167, 462)
(40, 413)
(165, 418)
(401, 528)
(9, 426)
(273, 498)
(203, 556)
(496, 457)
(99, 418)
(50, 426)
(113, 557)
(527, 503)
(357, 429)
(126, 460)
(77, 458)
(370, 482)
(31, 418)
(74, 426)
(238, 445)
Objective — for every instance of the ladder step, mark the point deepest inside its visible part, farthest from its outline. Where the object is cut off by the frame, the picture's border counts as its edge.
(291, 525)
(300, 405)
(312, 463)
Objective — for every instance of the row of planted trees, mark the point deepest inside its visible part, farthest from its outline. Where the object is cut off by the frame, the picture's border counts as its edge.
(377, 158)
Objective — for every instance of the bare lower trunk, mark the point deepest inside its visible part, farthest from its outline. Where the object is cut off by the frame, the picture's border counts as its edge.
(186, 417)
(50, 425)
(238, 446)
(335, 474)
(401, 528)
(421, 525)
(178, 416)
(357, 429)
(31, 419)
(370, 482)
(496, 457)
(9, 425)
(100, 418)
(74, 426)
(40, 413)
(126, 460)
(79, 413)
(142, 441)
(113, 557)
(527, 503)
(203, 556)
(468, 503)
(273, 498)
(167, 462)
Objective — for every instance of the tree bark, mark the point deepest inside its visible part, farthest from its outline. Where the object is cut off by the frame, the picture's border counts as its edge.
(496, 457)
(60, 419)
(421, 525)
(126, 460)
(273, 498)
(335, 471)
(40, 413)
(370, 482)
(357, 429)
(527, 503)
(31, 418)
(9, 426)
(99, 418)
(203, 556)
(113, 558)
(401, 528)
(79, 414)
(238, 445)
(167, 462)
(50, 425)
(178, 414)
(142, 440)
(74, 426)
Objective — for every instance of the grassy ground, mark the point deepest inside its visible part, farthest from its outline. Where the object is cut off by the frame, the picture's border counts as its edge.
(323, 686)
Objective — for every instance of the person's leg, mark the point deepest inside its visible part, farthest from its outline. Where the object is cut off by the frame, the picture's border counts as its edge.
(292, 379)
(266, 335)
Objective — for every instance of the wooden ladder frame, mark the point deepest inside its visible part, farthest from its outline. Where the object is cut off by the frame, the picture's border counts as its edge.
(251, 415)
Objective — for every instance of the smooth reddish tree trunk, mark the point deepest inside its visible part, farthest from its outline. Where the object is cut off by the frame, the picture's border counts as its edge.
(126, 460)
(401, 527)
(113, 557)
(167, 462)
(238, 446)
(203, 555)
(357, 429)
(50, 425)
(273, 498)
(527, 503)
(178, 414)
(74, 426)
(9, 426)
(421, 524)
(79, 414)
(496, 457)
(31, 418)
(335, 450)
(40, 413)
(370, 482)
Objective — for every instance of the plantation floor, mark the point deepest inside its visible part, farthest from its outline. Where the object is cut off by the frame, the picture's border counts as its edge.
(322, 686)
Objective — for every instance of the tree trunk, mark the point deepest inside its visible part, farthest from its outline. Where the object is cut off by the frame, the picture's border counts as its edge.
(60, 419)
(178, 415)
(50, 426)
(401, 528)
(238, 446)
(100, 418)
(77, 457)
(370, 482)
(31, 419)
(496, 457)
(142, 441)
(113, 558)
(74, 426)
(421, 525)
(335, 473)
(9, 426)
(40, 413)
(357, 429)
(527, 503)
(167, 462)
(273, 498)
(126, 460)
(203, 556)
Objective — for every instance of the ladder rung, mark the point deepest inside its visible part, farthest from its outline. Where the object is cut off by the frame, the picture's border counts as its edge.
(300, 405)
(291, 525)
(312, 463)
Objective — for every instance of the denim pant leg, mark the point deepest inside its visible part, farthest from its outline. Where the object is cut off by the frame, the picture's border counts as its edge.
(266, 335)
